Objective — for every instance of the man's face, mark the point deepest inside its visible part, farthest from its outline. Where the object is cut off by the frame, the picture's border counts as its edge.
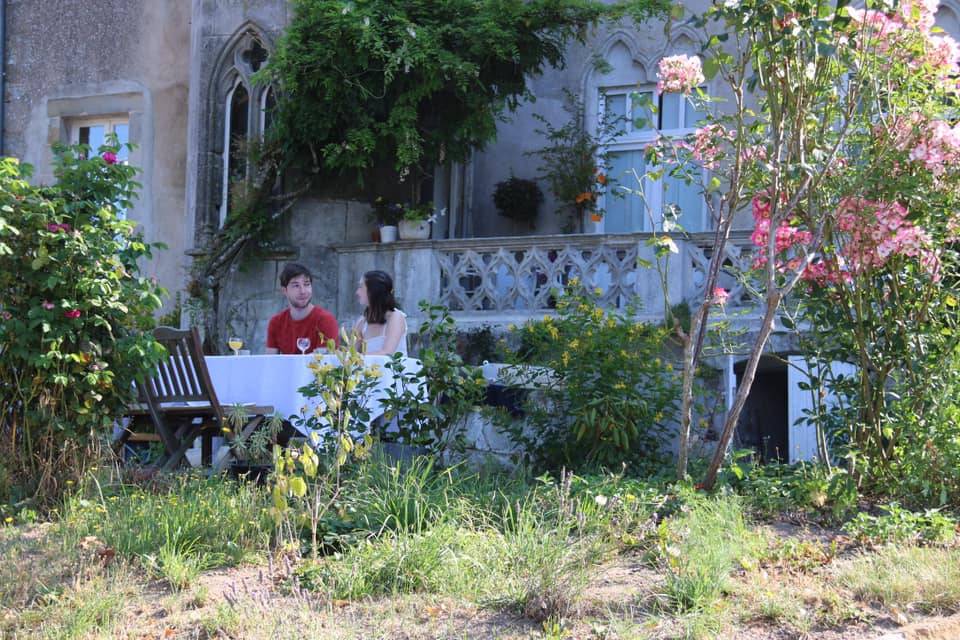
(298, 291)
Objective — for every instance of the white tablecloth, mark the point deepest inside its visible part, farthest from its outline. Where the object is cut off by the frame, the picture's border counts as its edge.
(273, 380)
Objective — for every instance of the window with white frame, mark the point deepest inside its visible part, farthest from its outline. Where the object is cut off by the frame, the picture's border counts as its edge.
(675, 116)
(95, 131)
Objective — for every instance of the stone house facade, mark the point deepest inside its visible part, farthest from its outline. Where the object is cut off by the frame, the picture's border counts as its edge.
(173, 77)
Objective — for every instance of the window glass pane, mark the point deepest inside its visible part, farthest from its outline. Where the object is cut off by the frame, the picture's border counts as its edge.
(122, 132)
(687, 198)
(239, 120)
(269, 104)
(92, 135)
(692, 116)
(670, 106)
(616, 106)
(625, 214)
(643, 116)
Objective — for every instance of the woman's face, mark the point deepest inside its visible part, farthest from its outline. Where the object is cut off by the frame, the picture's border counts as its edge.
(362, 293)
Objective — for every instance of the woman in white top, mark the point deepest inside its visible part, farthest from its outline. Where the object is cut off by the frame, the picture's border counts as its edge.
(382, 327)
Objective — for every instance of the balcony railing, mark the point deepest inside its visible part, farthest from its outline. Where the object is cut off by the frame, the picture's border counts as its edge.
(491, 277)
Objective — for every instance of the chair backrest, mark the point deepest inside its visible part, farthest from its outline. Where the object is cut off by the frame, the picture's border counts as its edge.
(183, 375)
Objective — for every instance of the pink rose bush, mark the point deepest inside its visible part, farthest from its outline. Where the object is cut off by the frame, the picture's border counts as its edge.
(679, 74)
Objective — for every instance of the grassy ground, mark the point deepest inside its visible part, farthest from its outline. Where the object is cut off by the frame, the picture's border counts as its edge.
(428, 554)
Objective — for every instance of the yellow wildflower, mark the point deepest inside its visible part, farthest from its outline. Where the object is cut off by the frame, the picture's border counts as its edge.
(574, 344)
(597, 291)
(574, 282)
(565, 358)
(598, 314)
(554, 332)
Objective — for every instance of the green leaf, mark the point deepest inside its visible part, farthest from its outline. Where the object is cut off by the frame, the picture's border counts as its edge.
(298, 487)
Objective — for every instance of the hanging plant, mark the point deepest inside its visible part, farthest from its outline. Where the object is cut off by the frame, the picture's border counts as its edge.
(518, 199)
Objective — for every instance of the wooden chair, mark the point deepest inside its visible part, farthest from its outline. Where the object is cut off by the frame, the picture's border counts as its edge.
(181, 402)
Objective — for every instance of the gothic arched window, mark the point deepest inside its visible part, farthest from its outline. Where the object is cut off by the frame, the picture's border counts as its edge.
(246, 110)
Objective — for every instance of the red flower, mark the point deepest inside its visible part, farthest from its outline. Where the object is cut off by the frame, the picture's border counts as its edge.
(109, 157)
(73, 314)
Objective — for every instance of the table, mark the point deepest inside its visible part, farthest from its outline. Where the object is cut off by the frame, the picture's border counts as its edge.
(274, 380)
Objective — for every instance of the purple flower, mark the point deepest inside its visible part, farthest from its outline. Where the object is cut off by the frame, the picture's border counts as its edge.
(48, 305)
(109, 157)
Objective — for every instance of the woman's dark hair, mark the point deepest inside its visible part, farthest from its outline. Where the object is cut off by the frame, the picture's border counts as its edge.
(379, 296)
(291, 271)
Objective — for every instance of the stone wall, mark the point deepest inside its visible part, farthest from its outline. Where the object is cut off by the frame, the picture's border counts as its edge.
(68, 61)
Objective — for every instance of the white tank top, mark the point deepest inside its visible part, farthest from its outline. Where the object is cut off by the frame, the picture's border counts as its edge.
(375, 343)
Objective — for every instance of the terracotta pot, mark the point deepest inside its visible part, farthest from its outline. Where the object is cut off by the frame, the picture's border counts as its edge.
(414, 230)
(595, 217)
(388, 234)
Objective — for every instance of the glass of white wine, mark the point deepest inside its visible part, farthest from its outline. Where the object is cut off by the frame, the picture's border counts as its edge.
(235, 343)
(303, 344)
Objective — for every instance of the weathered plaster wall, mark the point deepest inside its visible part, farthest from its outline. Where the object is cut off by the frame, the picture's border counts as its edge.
(70, 59)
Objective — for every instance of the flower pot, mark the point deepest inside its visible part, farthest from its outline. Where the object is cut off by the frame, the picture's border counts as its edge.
(414, 230)
(595, 217)
(388, 234)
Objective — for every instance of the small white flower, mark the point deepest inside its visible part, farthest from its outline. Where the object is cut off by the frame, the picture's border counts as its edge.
(412, 32)
(601, 500)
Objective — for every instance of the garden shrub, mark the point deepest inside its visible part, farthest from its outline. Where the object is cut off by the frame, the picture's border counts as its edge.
(74, 317)
(454, 388)
(612, 393)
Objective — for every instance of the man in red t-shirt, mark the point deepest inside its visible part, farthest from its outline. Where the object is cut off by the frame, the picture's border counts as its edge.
(301, 319)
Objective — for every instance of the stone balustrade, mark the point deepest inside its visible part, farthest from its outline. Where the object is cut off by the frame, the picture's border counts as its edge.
(509, 279)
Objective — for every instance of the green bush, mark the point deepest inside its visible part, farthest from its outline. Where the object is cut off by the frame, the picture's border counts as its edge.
(454, 388)
(612, 393)
(773, 489)
(74, 315)
(898, 525)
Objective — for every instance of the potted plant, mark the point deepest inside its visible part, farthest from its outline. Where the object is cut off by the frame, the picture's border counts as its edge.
(415, 224)
(387, 214)
(253, 453)
(518, 199)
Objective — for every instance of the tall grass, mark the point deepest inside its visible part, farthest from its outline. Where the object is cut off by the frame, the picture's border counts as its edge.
(925, 578)
(700, 547)
(491, 539)
(217, 521)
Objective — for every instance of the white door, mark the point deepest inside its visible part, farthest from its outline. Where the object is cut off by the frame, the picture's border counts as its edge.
(802, 437)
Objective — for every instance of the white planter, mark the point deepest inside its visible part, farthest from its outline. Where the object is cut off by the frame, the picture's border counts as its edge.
(414, 230)
(388, 234)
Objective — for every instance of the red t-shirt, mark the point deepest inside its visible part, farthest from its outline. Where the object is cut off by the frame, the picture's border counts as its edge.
(319, 326)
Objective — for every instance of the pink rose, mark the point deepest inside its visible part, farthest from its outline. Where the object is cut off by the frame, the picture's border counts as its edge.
(720, 296)
(48, 305)
(73, 314)
(109, 157)
(53, 228)
(5, 315)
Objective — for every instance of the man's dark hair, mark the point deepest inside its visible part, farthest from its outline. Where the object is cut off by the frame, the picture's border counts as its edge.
(291, 271)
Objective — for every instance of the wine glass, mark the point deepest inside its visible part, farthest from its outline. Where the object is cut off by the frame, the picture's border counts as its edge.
(303, 344)
(235, 343)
